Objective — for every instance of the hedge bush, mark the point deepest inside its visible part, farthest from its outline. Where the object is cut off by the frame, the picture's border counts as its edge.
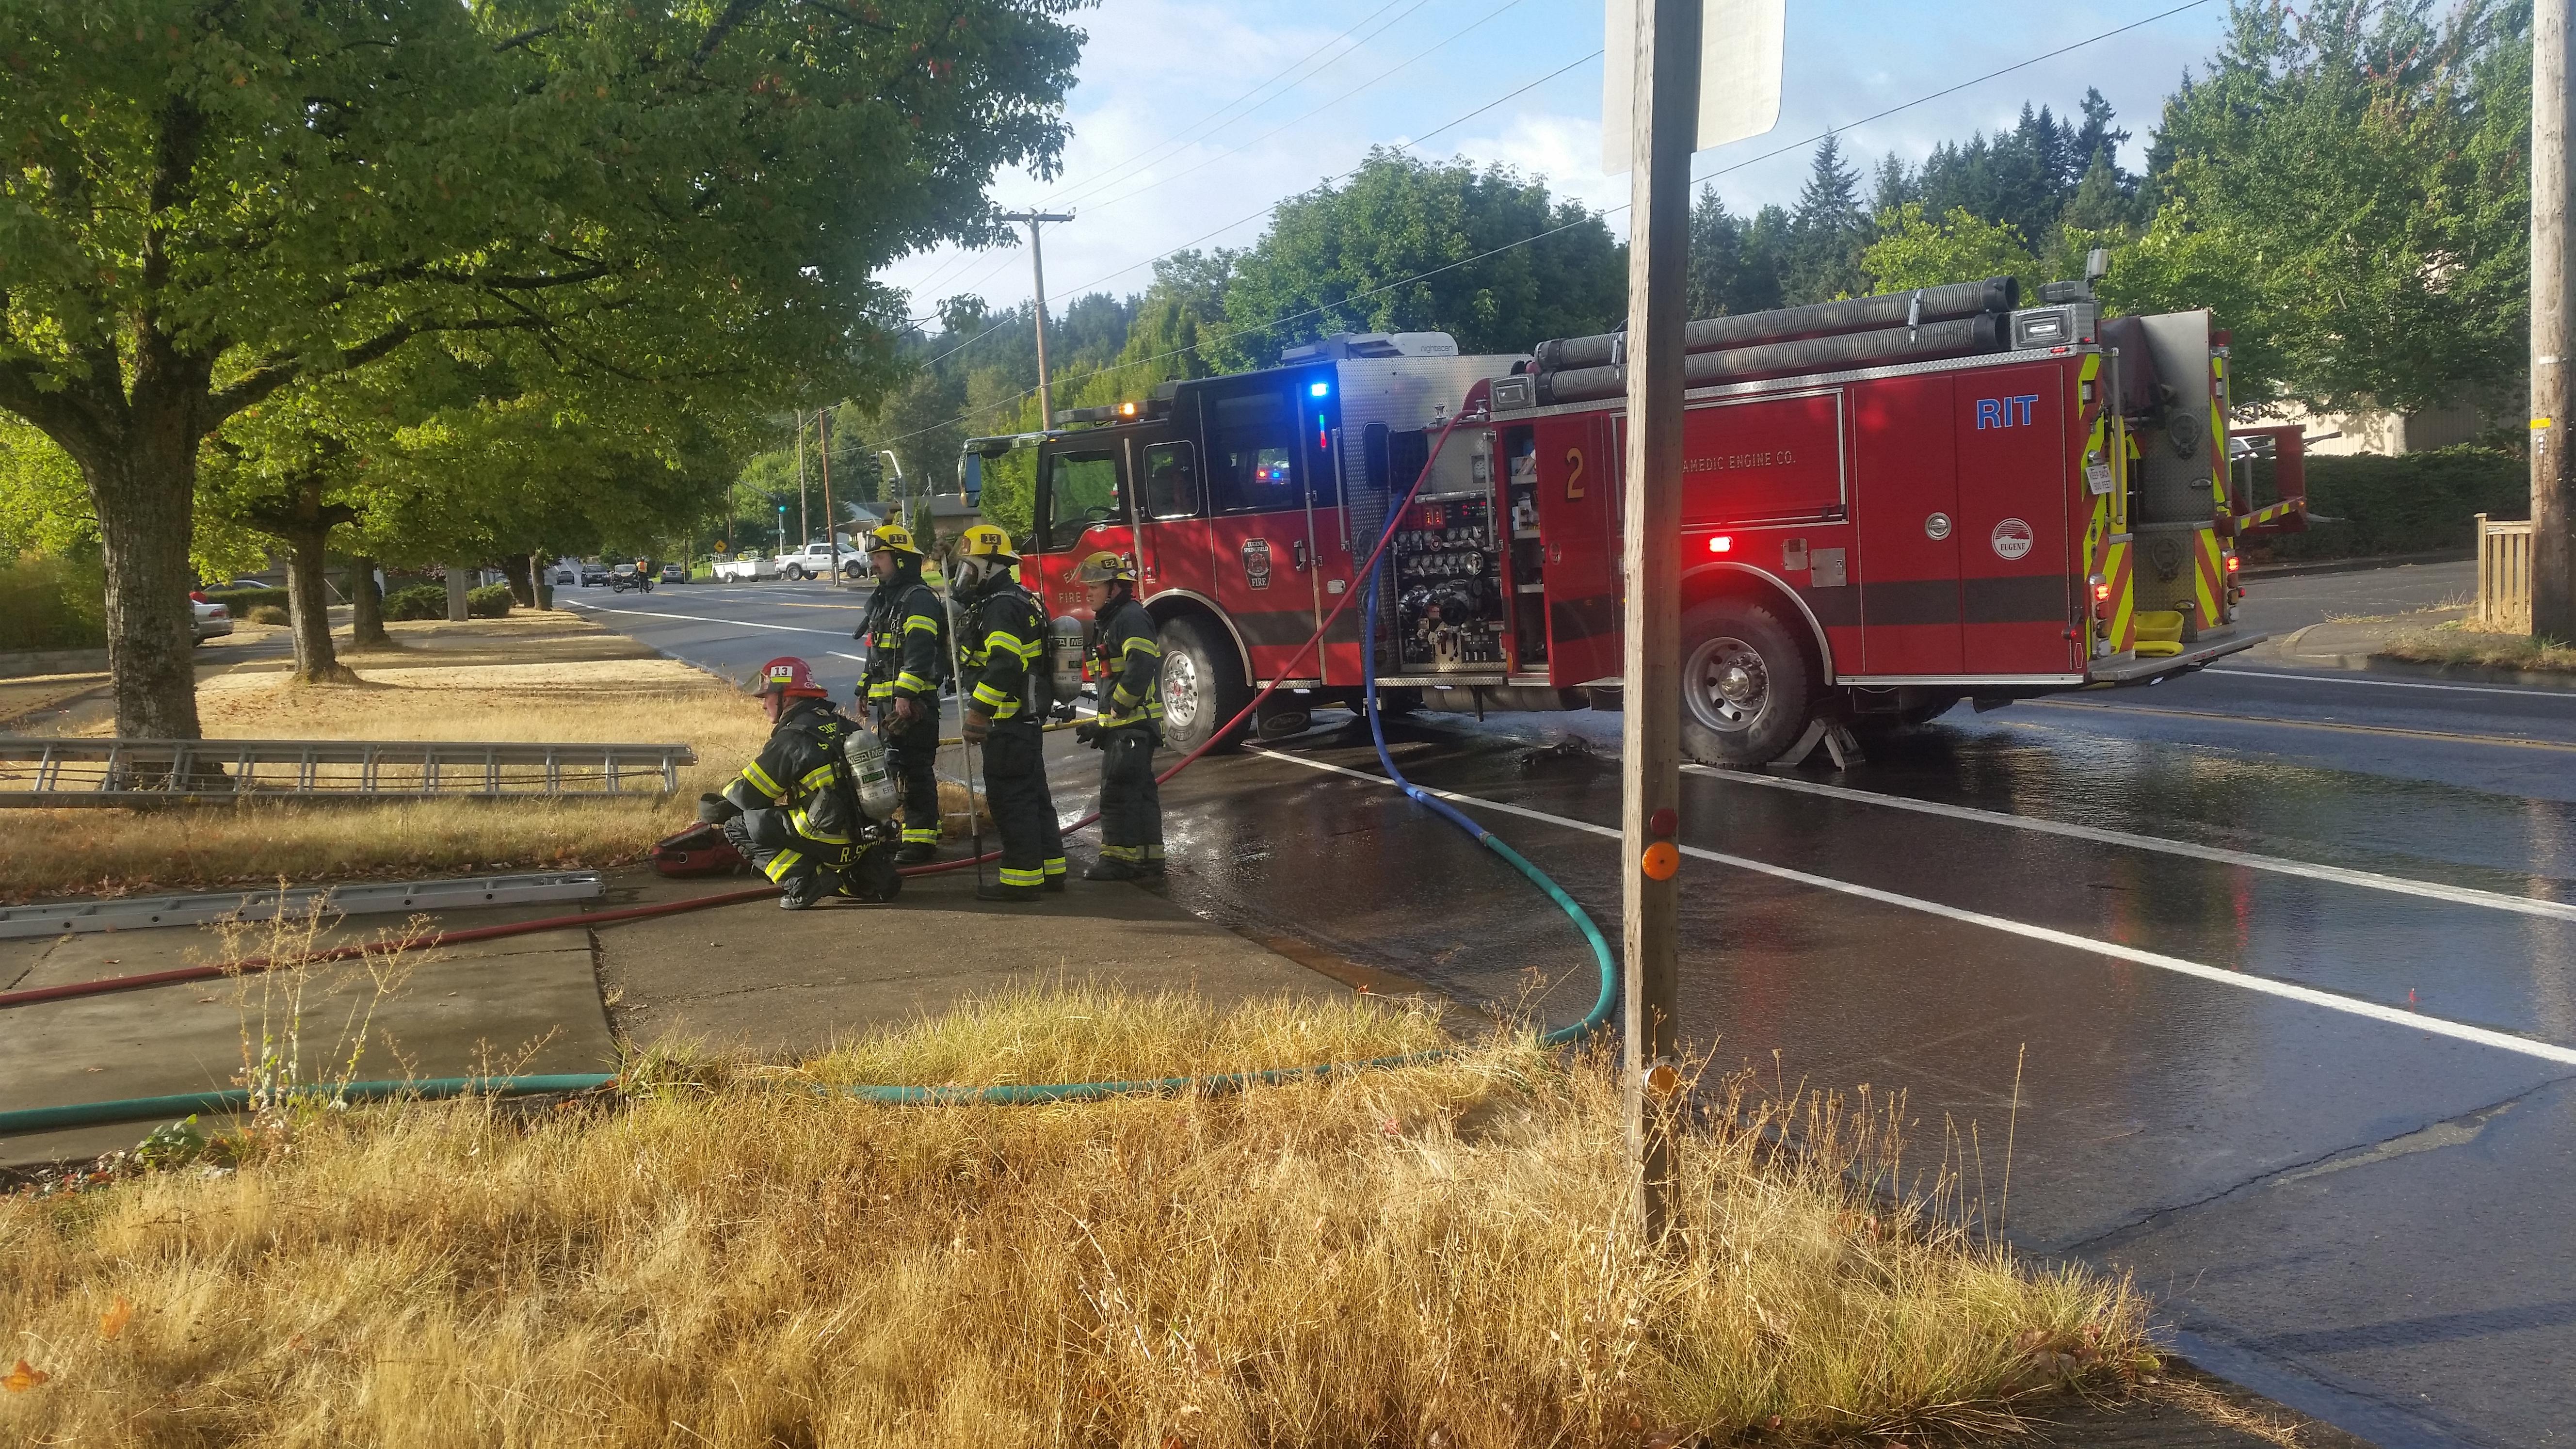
(269, 614)
(48, 602)
(2412, 503)
(492, 601)
(242, 601)
(420, 601)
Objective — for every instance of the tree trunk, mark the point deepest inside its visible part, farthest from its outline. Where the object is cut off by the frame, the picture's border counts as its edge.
(145, 494)
(308, 606)
(366, 607)
(523, 585)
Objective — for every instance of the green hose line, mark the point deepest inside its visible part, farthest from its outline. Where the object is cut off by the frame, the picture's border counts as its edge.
(1608, 1000)
(145, 1109)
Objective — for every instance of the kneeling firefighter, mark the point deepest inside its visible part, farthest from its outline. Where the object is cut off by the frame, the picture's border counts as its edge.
(907, 637)
(795, 812)
(1004, 634)
(1127, 658)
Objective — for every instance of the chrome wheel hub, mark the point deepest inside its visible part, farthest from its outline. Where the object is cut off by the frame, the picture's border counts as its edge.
(1180, 690)
(1725, 684)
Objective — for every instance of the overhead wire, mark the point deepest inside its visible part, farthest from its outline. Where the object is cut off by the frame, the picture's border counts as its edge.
(1118, 170)
(1696, 179)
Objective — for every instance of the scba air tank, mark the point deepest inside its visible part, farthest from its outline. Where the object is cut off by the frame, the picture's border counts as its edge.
(871, 774)
(1068, 644)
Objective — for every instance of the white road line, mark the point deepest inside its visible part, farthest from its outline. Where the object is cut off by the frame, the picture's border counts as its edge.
(2368, 880)
(2261, 985)
(702, 619)
(2323, 678)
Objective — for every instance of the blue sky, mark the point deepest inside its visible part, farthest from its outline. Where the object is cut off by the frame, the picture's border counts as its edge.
(1190, 118)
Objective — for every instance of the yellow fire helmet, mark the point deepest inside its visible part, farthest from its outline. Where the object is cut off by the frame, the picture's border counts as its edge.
(985, 541)
(893, 538)
(1105, 567)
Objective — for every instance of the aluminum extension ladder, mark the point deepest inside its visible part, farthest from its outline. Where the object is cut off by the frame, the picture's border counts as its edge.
(48, 771)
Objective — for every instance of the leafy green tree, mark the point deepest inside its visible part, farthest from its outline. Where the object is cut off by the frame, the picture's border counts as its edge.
(1406, 245)
(2348, 189)
(208, 203)
(1915, 251)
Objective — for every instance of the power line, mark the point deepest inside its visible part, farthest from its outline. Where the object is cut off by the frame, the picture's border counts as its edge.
(1450, 124)
(1696, 180)
(1115, 171)
(1419, 56)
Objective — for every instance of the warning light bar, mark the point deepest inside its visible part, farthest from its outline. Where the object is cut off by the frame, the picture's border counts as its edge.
(1723, 543)
(1319, 389)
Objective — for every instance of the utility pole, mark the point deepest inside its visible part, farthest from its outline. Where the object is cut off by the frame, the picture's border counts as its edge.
(1037, 270)
(2553, 333)
(803, 520)
(1665, 124)
(831, 520)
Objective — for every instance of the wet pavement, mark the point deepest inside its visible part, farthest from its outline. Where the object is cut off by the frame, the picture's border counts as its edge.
(2267, 977)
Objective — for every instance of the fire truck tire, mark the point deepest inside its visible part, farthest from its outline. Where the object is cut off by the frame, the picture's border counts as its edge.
(1748, 688)
(1203, 684)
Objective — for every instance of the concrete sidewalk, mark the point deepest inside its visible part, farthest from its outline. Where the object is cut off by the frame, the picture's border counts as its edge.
(741, 977)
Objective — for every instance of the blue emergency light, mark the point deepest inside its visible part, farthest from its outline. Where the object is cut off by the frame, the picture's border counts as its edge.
(1319, 389)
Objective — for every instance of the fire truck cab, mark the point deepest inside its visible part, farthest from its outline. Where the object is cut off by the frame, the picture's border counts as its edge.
(2041, 504)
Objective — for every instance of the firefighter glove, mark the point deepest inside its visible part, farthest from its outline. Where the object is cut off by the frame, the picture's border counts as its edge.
(977, 726)
(716, 809)
(906, 710)
(1087, 733)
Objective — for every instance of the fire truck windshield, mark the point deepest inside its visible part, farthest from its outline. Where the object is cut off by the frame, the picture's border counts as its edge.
(1082, 489)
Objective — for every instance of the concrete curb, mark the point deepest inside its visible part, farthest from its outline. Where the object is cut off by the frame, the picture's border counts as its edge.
(28, 663)
(2472, 673)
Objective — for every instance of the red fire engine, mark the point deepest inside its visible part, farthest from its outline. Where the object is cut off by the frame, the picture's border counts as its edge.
(1891, 504)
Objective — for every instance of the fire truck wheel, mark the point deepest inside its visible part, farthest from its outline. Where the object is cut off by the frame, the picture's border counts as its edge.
(1202, 683)
(1747, 688)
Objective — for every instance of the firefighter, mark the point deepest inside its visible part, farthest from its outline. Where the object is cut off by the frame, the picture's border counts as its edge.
(906, 631)
(1005, 635)
(792, 811)
(1129, 664)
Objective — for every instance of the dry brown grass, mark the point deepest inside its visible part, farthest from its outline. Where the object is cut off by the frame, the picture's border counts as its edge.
(1419, 1257)
(546, 677)
(2458, 644)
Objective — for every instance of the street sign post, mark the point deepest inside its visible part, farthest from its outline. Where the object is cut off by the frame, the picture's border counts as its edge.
(2553, 332)
(1739, 50)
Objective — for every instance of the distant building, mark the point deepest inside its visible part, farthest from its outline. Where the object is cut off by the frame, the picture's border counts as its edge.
(2386, 433)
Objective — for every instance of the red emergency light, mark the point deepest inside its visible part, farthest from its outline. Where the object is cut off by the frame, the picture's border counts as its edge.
(1723, 543)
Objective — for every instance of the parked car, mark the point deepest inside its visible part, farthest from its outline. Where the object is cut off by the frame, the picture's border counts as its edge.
(214, 621)
(814, 561)
(593, 573)
(745, 568)
(675, 573)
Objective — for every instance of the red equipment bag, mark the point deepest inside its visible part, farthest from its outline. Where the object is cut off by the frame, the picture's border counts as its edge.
(699, 850)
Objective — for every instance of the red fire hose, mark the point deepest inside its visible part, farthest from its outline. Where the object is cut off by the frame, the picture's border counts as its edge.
(1475, 401)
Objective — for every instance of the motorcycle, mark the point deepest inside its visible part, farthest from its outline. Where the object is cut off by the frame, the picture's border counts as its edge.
(630, 578)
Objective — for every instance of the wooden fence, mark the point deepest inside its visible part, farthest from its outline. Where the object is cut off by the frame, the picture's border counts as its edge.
(2504, 576)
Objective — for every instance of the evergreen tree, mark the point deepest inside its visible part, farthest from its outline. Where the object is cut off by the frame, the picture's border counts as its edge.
(1896, 186)
(1827, 231)
(2097, 138)
(1716, 256)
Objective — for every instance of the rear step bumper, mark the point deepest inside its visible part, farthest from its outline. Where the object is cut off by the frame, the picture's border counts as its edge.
(2132, 668)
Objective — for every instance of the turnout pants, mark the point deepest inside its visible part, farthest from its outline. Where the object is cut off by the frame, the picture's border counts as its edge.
(778, 852)
(1015, 788)
(914, 754)
(1131, 804)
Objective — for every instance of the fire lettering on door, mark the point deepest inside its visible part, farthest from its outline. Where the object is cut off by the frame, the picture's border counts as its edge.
(2005, 412)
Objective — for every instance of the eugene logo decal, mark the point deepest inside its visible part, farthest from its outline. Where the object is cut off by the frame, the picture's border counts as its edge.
(2005, 412)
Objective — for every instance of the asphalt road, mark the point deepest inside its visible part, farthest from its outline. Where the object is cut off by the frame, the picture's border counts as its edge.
(2268, 975)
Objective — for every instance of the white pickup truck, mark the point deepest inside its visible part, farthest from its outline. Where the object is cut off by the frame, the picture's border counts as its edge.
(745, 568)
(814, 561)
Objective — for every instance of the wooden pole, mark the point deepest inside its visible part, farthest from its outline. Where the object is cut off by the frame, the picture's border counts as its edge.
(1665, 124)
(801, 520)
(2553, 332)
(1037, 272)
(831, 519)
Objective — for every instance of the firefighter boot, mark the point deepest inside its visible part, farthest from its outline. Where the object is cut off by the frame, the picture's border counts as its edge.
(916, 852)
(799, 892)
(1108, 868)
(996, 891)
